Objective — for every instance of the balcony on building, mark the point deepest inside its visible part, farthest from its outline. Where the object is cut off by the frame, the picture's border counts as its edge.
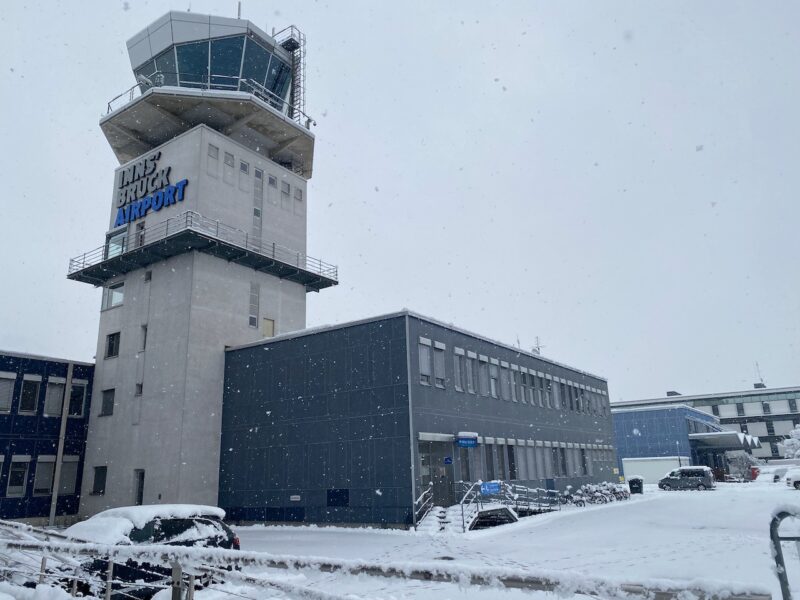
(190, 231)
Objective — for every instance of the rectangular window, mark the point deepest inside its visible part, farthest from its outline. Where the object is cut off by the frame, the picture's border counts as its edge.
(143, 344)
(6, 391)
(113, 295)
(148, 276)
(268, 327)
(140, 234)
(505, 383)
(107, 406)
(29, 397)
(494, 383)
(770, 428)
(298, 202)
(54, 398)
(438, 367)
(584, 463)
(424, 364)
(112, 345)
(43, 479)
(472, 375)
(744, 428)
(286, 199)
(512, 462)
(273, 181)
(765, 408)
(773, 448)
(458, 372)
(715, 410)
(77, 399)
(551, 398)
(229, 159)
(138, 487)
(117, 243)
(483, 372)
(792, 405)
(17, 478)
(69, 476)
(212, 161)
(244, 167)
(99, 484)
(255, 293)
(139, 389)
(739, 409)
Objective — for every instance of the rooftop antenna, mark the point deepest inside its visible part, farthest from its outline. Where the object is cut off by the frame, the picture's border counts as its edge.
(239, 11)
(759, 377)
(537, 348)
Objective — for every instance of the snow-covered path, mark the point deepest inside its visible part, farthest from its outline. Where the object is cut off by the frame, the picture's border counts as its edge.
(719, 535)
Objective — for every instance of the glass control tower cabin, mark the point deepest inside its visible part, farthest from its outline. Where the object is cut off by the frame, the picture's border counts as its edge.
(205, 248)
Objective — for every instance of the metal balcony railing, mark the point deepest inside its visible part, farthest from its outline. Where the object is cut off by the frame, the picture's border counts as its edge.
(124, 244)
(225, 83)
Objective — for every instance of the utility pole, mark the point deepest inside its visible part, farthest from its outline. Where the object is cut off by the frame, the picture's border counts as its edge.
(62, 434)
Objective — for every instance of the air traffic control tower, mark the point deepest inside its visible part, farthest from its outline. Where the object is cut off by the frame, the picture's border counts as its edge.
(205, 248)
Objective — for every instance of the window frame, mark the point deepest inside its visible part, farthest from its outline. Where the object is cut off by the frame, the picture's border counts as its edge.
(109, 337)
(24, 487)
(30, 379)
(96, 470)
(103, 402)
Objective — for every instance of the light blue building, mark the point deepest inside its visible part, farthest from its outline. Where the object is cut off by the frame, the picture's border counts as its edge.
(657, 438)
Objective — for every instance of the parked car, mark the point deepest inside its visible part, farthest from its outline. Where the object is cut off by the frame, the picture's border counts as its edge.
(170, 524)
(688, 478)
(793, 478)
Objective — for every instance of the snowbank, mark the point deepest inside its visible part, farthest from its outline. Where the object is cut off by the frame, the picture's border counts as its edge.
(140, 515)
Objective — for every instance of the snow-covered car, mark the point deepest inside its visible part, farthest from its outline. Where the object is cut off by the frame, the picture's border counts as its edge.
(688, 478)
(170, 524)
(793, 478)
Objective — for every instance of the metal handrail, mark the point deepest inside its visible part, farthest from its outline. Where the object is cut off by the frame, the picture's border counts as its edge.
(208, 82)
(777, 552)
(194, 221)
(423, 505)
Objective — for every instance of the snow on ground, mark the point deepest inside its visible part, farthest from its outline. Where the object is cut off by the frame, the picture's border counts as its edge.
(710, 538)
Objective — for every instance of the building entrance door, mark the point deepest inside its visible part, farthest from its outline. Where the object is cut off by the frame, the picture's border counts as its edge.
(436, 465)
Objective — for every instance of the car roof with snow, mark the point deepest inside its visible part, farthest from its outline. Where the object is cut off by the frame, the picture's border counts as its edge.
(113, 526)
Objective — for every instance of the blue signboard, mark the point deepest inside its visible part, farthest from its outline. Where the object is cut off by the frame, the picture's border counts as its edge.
(467, 442)
(490, 487)
(448, 460)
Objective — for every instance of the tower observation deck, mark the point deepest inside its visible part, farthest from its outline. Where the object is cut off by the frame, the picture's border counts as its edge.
(206, 246)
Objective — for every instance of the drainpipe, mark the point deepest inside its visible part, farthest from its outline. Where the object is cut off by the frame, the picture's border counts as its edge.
(62, 434)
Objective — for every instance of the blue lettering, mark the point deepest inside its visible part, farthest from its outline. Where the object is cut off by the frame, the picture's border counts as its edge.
(169, 195)
(158, 200)
(135, 211)
(180, 186)
(146, 203)
(120, 218)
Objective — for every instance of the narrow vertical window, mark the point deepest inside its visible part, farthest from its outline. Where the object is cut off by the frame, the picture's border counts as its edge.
(29, 396)
(54, 398)
(43, 479)
(143, 344)
(438, 365)
(255, 291)
(17, 478)
(112, 345)
(286, 199)
(472, 375)
(107, 404)
(493, 380)
(6, 390)
(483, 372)
(458, 371)
(77, 398)
(424, 364)
(99, 484)
(212, 161)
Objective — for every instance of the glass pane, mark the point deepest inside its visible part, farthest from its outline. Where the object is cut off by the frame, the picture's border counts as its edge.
(256, 61)
(69, 475)
(192, 64)
(165, 65)
(76, 397)
(146, 70)
(43, 482)
(116, 244)
(226, 59)
(53, 399)
(30, 395)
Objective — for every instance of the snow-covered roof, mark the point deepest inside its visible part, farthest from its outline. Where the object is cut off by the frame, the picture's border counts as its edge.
(409, 313)
(715, 396)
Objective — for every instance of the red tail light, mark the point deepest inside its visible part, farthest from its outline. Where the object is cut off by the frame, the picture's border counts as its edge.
(236, 545)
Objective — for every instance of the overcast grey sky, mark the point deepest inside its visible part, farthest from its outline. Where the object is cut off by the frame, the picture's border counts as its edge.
(617, 178)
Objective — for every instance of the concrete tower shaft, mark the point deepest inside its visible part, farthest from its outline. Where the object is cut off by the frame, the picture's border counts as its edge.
(206, 248)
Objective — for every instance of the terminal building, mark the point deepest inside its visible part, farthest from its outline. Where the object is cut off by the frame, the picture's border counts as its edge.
(349, 423)
(207, 386)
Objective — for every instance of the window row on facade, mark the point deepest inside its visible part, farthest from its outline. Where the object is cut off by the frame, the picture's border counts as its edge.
(275, 190)
(29, 389)
(481, 375)
(43, 468)
(495, 459)
(754, 408)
